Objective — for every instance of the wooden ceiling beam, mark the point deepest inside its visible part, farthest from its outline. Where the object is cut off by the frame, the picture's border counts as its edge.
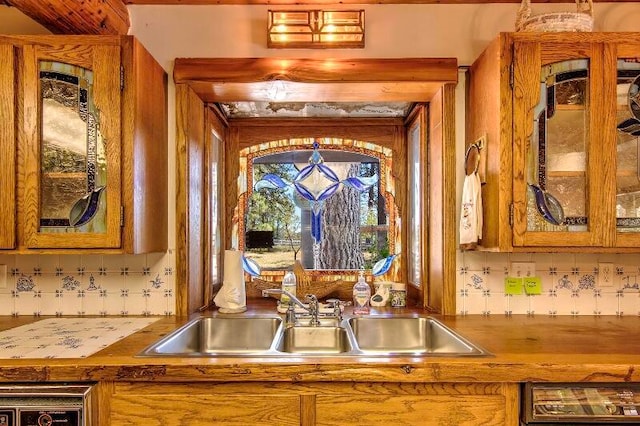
(315, 80)
(109, 17)
(365, 70)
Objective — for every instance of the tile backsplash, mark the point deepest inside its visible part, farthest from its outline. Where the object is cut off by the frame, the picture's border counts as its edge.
(570, 284)
(120, 285)
(88, 285)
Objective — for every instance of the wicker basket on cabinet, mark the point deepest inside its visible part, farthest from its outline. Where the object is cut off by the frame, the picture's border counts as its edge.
(579, 21)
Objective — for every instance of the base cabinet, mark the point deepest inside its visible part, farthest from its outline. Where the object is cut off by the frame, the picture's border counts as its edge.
(420, 409)
(196, 404)
(308, 404)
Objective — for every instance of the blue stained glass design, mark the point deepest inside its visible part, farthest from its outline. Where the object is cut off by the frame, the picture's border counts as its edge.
(271, 181)
(250, 266)
(316, 226)
(328, 173)
(360, 183)
(328, 192)
(382, 266)
(315, 183)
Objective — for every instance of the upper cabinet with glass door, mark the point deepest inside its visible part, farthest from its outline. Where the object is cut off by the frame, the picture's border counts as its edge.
(91, 149)
(562, 159)
(627, 142)
(71, 146)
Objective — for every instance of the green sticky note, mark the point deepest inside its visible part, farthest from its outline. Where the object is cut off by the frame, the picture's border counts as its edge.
(513, 285)
(532, 285)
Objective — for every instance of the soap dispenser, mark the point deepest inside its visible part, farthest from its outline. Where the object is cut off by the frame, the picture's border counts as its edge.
(288, 284)
(361, 295)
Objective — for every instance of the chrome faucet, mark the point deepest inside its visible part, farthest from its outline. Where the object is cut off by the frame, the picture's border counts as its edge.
(336, 304)
(290, 318)
(313, 309)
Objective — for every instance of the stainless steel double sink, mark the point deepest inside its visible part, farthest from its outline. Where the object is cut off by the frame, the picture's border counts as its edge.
(267, 336)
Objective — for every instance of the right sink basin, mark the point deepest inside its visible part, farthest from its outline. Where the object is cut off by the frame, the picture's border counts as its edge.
(409, 336)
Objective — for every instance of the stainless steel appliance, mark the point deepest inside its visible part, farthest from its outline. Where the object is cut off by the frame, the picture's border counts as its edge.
(47, 405)
(581, 404)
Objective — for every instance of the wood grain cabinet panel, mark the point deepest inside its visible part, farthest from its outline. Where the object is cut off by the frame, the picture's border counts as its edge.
(7, 148)
(416, 404)
(112, 86)
(205, 410)
(194, 404)
(550, 107)
(410, 410)
(310, 404)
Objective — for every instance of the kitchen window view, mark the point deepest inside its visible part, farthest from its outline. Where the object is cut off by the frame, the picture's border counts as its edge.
(349, 208)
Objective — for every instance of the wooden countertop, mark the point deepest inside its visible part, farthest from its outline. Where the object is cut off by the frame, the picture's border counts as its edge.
(539, 348)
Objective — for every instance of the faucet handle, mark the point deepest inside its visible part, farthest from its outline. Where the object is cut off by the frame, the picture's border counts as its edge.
(290, 316)
(337, 306)
(337, 302)
(270, 291)
(313, 309)
(313, 304)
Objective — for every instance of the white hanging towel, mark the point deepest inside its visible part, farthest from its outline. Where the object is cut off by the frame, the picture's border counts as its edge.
(232, 297)
(471, 212)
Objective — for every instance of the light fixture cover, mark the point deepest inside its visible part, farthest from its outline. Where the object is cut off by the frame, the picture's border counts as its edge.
(315, 29)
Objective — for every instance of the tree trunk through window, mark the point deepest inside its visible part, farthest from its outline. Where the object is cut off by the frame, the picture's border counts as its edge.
(340, 243)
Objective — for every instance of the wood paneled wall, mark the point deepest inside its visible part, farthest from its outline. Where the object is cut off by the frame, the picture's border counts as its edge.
(488, 114)
(438, 291)
(439, 294)
(190, 198)
(249, 79)
(144, 133)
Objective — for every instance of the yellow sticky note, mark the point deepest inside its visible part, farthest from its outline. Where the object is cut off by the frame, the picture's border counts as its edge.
(513, 285)
(532, 285)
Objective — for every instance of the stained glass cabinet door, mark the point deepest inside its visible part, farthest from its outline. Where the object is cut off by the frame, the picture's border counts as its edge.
(561, 117)
(627, 142)
(71, 146)
(559, 174)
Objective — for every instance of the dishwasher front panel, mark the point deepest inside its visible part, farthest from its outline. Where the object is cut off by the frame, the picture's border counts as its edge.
(581, 403)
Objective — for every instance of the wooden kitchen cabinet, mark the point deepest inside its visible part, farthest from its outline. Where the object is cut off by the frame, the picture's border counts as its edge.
(196, 404)
(460, 404)
(90, 145)
(308, 404)
(560, 163)
(7, 148)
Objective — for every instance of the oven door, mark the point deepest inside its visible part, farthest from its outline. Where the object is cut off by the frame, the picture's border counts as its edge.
(581, 404)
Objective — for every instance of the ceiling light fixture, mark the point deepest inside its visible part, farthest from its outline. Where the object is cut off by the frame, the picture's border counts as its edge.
(315, 29)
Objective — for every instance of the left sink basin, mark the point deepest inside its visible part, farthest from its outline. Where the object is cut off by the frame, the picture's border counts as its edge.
(213, 336)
